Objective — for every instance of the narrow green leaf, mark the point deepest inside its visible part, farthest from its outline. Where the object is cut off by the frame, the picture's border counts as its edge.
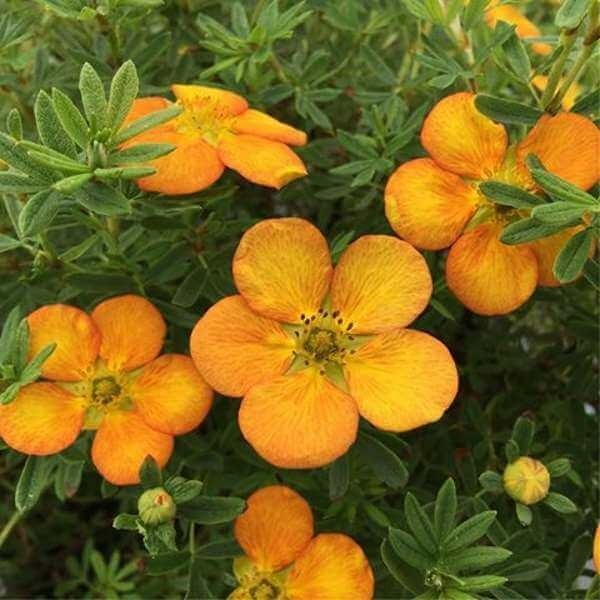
(525, 570)
(126, 522)
(72, 183)
(385, 463)
(477, 557)
(12, 153)
(183, 490)
(14, 124)
(507, 111)
(522, 434)
(123, 91)
(102, 199)
(7, 243)
(560, 503)
(420, 525)
(559, 213)
(579, 553)
(208, 510)
(527, 230)
(445, 509)
(470, 531)
(571, 13)
(491, 481)
(408, 577)
(140, 153)
(407, 548)
(32, 481)
(339, 477)
(8, 338)
(33, 369)
(39, 212)
(473, 13)
(588, 104)
(15, 183)
(70, 117)
(508, 195)
(560, 189)
(571, 259)
(559, 467)
(482, 583)
(49, 127)
(93, 96)
(150, 475)
(124, 172)
(148, 122)
(517, 57)
(524, 514)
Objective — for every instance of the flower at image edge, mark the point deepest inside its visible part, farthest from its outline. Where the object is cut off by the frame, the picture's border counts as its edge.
(284, 559)
(216, 129)
(430, 201)
(310, 347)
(106, 374)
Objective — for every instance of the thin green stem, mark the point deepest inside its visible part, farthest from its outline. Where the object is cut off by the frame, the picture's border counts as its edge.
(14, 519)
(567, 39)
(570, 77)
(192, 536)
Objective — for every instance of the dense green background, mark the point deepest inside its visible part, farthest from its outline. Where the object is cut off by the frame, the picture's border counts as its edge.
(358, 77)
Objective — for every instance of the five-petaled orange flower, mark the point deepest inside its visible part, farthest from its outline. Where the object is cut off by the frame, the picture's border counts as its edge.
(430, 202)
(310, 348)
(216, 130)
(284, 560)
(514, 16)
(104, 374)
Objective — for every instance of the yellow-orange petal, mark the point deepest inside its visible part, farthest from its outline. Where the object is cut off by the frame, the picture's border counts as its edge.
(191, 167)
(461, 139)
(121, 444)
(225, 103)
(299, 421)
(546, 250)
(234, 348)
(133, 331)
(427, 206)
(282, 268)
(380, 283)
(596, 551)
(263, 125)
(171, 395)
(76, 337)
(402, 379)
(275, 527)
(260, 160)
(43, 419)
(524, 27)
(487, 276)
(332, 567)
(541, 81)
(568, 144)
(145, 106)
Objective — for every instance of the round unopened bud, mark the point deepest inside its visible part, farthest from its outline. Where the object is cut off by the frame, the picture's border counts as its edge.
(526, 480)
(156, 506)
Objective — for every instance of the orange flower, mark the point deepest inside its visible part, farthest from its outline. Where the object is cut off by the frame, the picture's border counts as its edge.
(285, 560)
(596, 549)
(524, 27)
(104, 374)
(216, 130)
(310, 348)
(431, 202)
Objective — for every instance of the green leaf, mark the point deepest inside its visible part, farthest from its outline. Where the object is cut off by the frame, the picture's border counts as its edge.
(587, 104)
(407, 548)
(123, 91)
(16, 157)
(507, 111)
(445, 509)
(191, 287)
(560, 503)
(339, 477)
(33, 369)
(481, 583)
(571, 13)
(385, 463)
(219, 550)
(559, 467)
(517, 57)
(524, 514)
(7, 243)
(525, 570)
(70, 117)
(14, 124)
(183, 490)
(126, 522)
(32, 481)
(56, 163)
(72, 183)
(103, 200)
(124, 172)
(15, 183)
(579, 553)
(559, 213)
(403, 574)
(491, 481)
(39, 212)
(560, 189)
(140, 153)
(68, 479)
(420, 525)
(169, 561)
(8, 338)
(508, 195)
(93, 96)
(197, 588)
(527, 230)
(512, 450)
(470, 531)
(208, 510)
(571, 259)
(49, 128)
(148, 122)
(522, 434)
(477, 557)
(473, 13)
(150, 475)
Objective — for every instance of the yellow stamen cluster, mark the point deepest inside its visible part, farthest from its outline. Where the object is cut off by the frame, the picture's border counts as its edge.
(205, 118)
(258, 585)
(323, 339)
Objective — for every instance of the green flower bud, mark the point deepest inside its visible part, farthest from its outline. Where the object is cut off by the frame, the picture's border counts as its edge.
(155, 506)
(526, 480)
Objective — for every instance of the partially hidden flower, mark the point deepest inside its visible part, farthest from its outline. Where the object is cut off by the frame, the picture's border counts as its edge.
(596, 550)
(284, 560)
(434, 202)
(310, 347)
(106, 374)
(526, 480)
(216, 129)
(541, 81)
(514, 16)
(156, 506)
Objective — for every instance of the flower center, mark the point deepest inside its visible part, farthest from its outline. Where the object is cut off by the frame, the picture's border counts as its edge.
(105, 390)
(204, 118)
(324, 339)
(259, 585)
(265, 589)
